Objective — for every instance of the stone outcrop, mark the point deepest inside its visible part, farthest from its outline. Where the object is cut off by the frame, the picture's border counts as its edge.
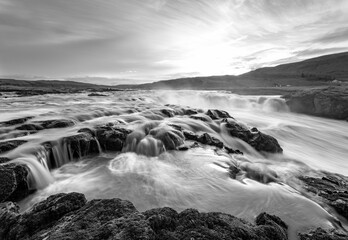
(70, 216)
(321, 234)
(10, 145)
(329, 102)
(14, 182)
(332, 188)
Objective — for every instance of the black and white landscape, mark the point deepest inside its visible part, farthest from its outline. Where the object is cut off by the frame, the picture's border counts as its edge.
(173, 120)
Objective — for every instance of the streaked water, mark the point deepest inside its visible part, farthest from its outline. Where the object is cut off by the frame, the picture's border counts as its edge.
(151, 177)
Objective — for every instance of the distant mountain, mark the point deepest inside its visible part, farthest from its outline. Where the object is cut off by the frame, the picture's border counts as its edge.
(312, 72)
(49, 84)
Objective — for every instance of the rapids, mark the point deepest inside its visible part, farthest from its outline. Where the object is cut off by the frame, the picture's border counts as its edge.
(149, 175)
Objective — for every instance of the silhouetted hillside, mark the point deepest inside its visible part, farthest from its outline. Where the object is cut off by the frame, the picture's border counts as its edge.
(312, 72)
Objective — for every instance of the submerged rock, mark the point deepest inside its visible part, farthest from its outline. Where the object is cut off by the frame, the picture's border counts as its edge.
(57, 123)
(333, 189)
(15, 121)
(14, 182)
(10, 145)
(69, 216)
(112, 138)
(329, 102)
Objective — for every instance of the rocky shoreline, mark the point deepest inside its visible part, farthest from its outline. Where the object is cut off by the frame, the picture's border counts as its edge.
(329, 102)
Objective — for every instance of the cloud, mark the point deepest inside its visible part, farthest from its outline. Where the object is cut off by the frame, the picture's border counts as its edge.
(150, 39)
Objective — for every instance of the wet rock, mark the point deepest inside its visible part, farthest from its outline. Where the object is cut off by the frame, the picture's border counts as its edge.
(205, 138)
(59, 123)
(14, 182)
(68, 216)
(257, 139)
(30, 127)
(190, 135)
(169, 136)
(97, 95)
(233, 171)
(44, 214)
(329, 102)
(112, 138)
(233, 151)
(10, 145)
(81, 145)
(168, 112)
(8, 217)
(333, 188)
(321, 234)
(217, 114)
(264, 142)
(15, 121)
(4, 160)
(201, 117)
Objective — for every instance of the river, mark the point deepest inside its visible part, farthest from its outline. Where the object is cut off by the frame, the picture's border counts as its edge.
(198, 178)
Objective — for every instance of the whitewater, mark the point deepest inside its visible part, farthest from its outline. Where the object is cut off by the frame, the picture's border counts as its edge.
(150, 176)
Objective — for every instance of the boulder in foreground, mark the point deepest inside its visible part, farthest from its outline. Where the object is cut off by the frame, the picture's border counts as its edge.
(70, 216)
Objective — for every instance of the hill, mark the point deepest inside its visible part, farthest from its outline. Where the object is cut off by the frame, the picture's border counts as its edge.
(312, 72)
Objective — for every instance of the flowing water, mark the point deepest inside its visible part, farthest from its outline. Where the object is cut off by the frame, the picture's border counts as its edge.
(150, 177)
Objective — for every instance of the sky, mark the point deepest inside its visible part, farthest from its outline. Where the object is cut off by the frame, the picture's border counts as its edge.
(147, 40)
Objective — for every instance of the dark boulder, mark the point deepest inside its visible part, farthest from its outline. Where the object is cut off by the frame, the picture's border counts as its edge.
(205, 138)
(15, 121)
(4, 160)
(68, 216)
(257, 139)
(9, 215)
(10, 145)
(30, 127)
(14, 182)
(81, 145)
(332, 188)
(44, 214)
(97, 95)
(217, 114)
(57, 123)
(112, 138)
(201, 117)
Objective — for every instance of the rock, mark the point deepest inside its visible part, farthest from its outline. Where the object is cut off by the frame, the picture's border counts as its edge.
(217, 114)
(205, 138)
(59, 123)
(15, 121)
(201, 117)
(264, 142)
(168, 112)
(332, 188)
(257, 139)
(81, 145)
(112, 138)
(331, 102)
(10, 145)
(321, 234)
(97, 95)
(190, 135)
(30, 127)
(14, 182)
(69, 217)
(8, 217)
(45, 213)
(169, 136)
(4, 160)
